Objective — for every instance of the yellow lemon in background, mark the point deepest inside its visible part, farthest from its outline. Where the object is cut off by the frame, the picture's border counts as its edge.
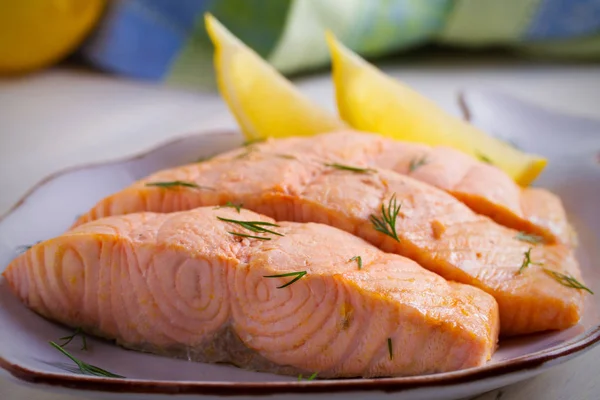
(264, 103)
(37, 33)
(371, 101)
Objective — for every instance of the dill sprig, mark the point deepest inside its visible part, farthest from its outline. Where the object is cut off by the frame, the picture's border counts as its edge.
(202, 159)
(249, 149)
(310, 378)
(22, 249)
(250, 142)
(529, 238)
(229, 204)
(254, 226)
(248, 236)
(351, 168)
(567, 280)
(527, 261)
(358, 260)
(85, 368)
(298, 275)
(415, 163)
(286, 156)
(175, 184)
(390, 349)
(387, 222)
(484, 158)
(78, 332)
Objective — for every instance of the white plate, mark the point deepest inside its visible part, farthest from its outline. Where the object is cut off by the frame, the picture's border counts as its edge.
(572, 144)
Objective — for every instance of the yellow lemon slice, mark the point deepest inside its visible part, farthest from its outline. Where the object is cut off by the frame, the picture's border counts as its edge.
(369, 100)
(37, 33)
(264, 103)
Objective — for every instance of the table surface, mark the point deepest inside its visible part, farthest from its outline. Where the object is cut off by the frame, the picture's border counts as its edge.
(66, 117)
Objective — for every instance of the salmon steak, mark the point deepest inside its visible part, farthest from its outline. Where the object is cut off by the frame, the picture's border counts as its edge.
(537, 285)
(485, 189)
(284, 297)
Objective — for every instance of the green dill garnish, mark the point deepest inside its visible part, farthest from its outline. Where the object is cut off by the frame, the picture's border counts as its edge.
(529, 238)
(351, 168)
(358, 260)
(387, 222)
(286, 156)
(174, 184)
(229, 204)
(249, 236)
(567, 280)
(254, 226)
(527, 261)
(484, 158)
(416, 163)
(85, 368)
(22, 249)
(310, 378)
(78, 332)
(202, 159)
(390, 349)
(246, 152)
(250, 142)
(297, 275)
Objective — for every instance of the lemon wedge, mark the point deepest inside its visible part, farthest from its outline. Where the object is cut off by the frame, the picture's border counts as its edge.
(264, 103)
(369, 100)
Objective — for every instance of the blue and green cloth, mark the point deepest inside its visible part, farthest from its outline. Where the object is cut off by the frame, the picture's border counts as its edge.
(165, 40)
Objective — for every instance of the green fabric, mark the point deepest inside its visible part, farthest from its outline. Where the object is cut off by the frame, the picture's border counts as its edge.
(194, 65)
(587, 48)
(290, 33)
(477, 23)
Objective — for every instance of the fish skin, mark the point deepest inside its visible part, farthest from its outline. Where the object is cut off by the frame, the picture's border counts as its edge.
(166, 282)
(435, 229)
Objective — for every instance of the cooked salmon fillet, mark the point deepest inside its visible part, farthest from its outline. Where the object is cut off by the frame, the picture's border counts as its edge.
(433, 228)
(484, 188)
(181, 284)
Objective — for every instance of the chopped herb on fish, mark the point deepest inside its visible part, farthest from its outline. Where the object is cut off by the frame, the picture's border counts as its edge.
(286, 156)
(297, 275)
(387, 222)
(390, 349)
(310, 378)
(529, 238)
(254, 226)
(567, 280)
(249, 236)
(229, 204)
(351, 168)
(85, 368)
(358, 260)
(484, 158)
(22, 249)
(174, 184)
(78, 332)
(249, 149)
(527, 261)
(202, 159)
(250, 142)
(415, 163)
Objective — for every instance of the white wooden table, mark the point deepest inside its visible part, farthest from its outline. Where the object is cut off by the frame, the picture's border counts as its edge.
(63, 117)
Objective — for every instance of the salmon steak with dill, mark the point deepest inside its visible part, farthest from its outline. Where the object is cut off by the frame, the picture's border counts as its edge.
(538, 285)
(481, 186)
(229, 285)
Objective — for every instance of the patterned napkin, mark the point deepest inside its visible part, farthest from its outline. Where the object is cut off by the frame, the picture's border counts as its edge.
(165, 40)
